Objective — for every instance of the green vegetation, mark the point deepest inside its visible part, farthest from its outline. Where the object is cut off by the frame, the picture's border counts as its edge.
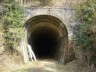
(13, 28)
(85, 33)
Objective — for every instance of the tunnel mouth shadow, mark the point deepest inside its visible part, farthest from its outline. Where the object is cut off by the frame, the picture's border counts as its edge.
(47, 36)
(44, 43)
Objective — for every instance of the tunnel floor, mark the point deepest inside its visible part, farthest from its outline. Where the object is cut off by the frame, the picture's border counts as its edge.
(44, 43)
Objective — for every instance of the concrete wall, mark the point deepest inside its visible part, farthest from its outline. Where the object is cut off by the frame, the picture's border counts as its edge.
(66, 15)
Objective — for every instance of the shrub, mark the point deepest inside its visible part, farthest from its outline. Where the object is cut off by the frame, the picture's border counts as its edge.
(14, 30)
(84, 35)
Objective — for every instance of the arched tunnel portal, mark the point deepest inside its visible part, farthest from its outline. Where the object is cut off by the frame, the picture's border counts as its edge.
(47, 36)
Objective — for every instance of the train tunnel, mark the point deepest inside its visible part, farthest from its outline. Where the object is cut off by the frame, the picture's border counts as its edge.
(47, 36)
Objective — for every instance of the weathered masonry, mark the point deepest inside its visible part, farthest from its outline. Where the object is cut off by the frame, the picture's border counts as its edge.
(48, 31)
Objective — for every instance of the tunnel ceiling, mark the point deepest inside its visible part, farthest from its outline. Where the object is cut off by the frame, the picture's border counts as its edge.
(50, 31)
(45, 21)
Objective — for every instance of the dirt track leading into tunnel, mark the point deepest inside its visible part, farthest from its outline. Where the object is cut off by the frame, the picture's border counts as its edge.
(39, 66)
(46, 66)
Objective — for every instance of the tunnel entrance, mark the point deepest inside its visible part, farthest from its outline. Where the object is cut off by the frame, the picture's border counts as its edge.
(47, 36)
(44, 43)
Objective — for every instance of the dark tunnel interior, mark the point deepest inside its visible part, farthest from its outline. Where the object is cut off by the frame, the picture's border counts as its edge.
(47, 36)
(44, 43)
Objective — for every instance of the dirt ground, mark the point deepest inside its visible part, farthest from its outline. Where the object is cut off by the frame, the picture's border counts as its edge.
(45, 66)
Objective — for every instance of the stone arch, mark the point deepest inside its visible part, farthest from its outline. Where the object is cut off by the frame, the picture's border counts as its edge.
(50, 31)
